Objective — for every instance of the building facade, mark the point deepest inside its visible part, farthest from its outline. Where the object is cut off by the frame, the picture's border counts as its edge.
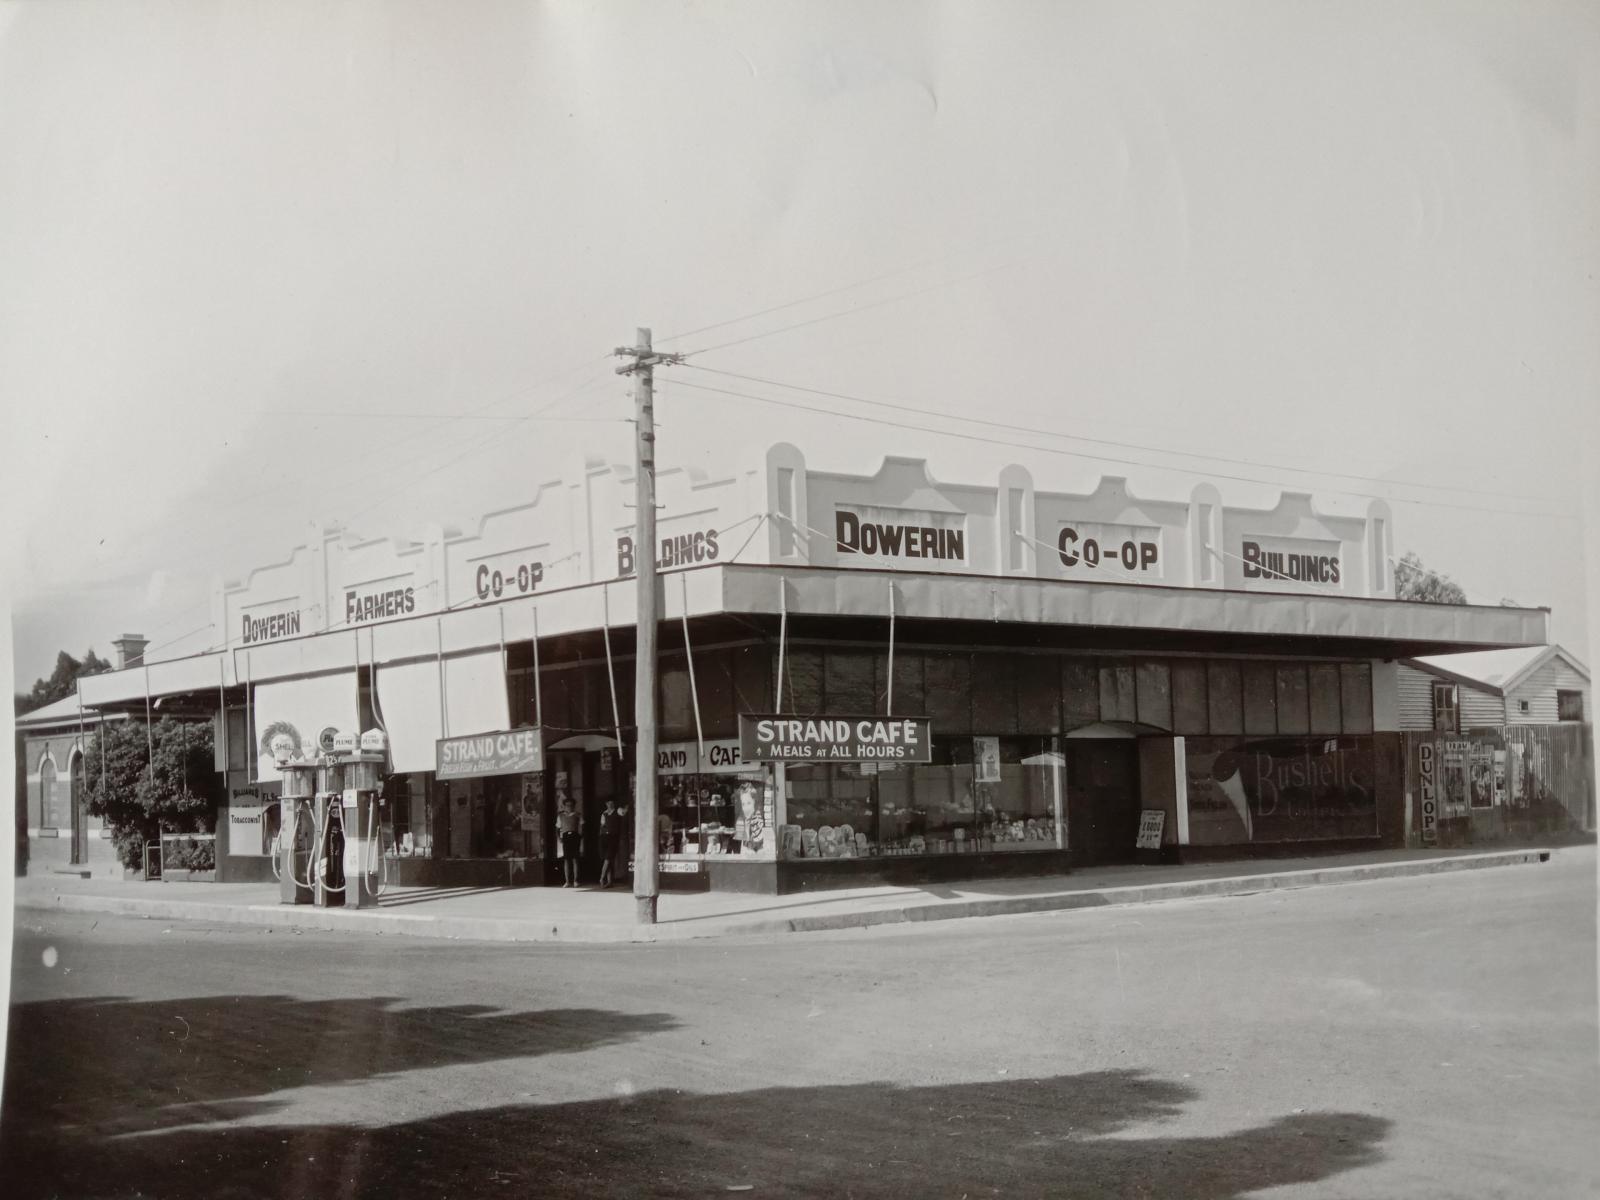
(55, 831)
(973, 678)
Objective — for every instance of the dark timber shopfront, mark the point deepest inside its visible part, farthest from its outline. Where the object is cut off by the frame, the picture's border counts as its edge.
(861, 678)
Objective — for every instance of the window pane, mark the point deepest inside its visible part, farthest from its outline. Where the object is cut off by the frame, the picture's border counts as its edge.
(1355, 686)
(1154, 683)
(849, 685)
(677, 711)
(949, 688)
(238, 741)
(1293, 714)
(1117, 692)
(1260, 698)
(1080, 692)
(1189, 697)
(1224, 697)
(1324, 687)
(1038, 693)
(752, 679)
(713, 677)
(554, 691)
(909, 697)
(994, 694)
(802, 689)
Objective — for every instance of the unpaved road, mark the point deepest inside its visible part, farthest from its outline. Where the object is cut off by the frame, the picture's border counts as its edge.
(1421, 1037)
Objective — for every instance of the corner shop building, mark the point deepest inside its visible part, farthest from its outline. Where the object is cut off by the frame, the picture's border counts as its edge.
(1080, 658)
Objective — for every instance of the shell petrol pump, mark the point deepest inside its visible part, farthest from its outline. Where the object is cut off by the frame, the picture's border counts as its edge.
(297, 832)
(331, 821)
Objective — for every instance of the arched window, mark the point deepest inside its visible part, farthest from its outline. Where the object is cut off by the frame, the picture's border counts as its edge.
(47, 793)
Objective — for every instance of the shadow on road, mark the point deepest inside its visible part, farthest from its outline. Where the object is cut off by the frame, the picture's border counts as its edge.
(1029, 1137)
(120, 1066)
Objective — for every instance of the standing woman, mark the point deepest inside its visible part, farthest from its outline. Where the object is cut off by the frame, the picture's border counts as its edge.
(569, 830)
(610, 840)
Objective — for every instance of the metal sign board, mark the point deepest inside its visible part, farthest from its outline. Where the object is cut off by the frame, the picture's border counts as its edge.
(779, 737)
(513, 752)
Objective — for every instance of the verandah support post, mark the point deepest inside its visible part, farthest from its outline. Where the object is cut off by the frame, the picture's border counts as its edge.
(694, 692)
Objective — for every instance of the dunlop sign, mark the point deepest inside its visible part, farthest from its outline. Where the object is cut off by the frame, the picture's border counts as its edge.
(512, 753)
(788, 738)
(1427, 777)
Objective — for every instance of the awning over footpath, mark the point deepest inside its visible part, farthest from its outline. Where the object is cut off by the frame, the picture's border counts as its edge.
(1364, 627)
(418, 709)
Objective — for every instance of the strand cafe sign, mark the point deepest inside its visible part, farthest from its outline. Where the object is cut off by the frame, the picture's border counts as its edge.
(515, 752)
(788, 738)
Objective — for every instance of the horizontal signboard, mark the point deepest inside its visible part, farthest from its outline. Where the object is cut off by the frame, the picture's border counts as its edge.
(511, 753)
(791, 738)
(721, 757)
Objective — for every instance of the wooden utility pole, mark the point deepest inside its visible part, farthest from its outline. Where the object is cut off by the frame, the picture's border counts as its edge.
(646, 884)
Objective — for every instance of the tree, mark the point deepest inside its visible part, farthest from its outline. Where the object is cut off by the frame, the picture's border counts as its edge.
(1413, 581)
(63, 681)
(180, 795)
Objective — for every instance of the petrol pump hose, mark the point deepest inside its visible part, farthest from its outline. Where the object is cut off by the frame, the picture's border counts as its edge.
(300, 805)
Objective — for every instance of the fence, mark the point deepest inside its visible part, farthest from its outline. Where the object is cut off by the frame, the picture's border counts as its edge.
(1513, 783)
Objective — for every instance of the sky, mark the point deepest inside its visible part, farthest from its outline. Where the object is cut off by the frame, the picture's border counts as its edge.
(270, 264)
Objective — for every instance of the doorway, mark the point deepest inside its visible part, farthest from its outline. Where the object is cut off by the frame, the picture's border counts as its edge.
(80, 812)
(1102, 799)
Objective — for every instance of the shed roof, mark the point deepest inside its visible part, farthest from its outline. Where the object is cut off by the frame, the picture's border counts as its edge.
(1501, 670)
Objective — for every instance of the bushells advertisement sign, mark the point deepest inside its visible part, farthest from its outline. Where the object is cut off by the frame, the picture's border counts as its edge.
(779, 737)
(516, 752)
(1280, 789)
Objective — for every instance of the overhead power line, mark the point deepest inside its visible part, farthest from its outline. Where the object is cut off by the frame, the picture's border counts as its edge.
(1077, 437)
(1126, 462)
(850, 287)
(859, 308)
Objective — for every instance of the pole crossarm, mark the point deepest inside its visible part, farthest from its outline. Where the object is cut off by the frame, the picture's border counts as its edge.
(644, 359)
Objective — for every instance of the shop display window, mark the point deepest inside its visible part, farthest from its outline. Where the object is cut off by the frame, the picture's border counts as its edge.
(702, 815)
(981, 794)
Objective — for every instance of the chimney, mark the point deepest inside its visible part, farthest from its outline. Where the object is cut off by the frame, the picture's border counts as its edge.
(130, 649)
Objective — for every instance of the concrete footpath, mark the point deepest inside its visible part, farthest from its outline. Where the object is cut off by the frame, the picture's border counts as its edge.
(593, 915)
